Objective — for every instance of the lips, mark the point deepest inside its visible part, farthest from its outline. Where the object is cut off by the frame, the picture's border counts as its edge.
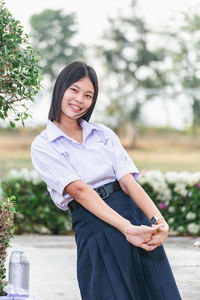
(75, 107)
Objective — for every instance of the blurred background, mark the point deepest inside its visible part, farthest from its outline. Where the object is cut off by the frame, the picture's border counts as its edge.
(147, 57)
(146, 54)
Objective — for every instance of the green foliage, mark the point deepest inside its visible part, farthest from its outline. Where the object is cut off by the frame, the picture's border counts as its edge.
(177, 197)
(7, 210)
(52, 34)
(36, 212)
(182, 46)
(19, 69)
(181, 211)
(176, 194)
(131, 63)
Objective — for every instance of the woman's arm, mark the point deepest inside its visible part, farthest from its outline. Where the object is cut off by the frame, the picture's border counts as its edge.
(144, 202)
(140, 197)
(89, 199)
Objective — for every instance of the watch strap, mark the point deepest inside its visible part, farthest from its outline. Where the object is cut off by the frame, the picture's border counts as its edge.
(155, 219)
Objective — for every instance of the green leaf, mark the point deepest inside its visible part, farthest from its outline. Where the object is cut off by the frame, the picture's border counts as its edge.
(15, 23)
(16, 59)
(12, 124)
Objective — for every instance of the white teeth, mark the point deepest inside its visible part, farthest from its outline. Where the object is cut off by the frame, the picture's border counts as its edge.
(75, 107)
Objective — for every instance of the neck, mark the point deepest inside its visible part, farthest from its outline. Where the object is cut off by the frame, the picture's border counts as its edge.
(68, 125)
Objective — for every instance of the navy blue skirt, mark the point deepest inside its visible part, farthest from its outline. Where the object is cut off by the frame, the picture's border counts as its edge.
(110, 268)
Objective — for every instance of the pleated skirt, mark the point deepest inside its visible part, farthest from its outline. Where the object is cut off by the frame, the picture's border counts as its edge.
(110, 268)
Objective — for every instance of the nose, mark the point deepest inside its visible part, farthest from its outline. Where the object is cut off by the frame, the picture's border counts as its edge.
(79, 98)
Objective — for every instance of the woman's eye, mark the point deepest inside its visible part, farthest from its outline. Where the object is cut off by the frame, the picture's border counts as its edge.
(89, 96)
(73, 89)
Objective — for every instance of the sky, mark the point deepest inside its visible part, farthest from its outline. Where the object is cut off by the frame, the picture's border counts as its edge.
(91, 17)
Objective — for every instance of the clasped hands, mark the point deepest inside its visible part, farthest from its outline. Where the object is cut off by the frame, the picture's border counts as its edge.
(147, 237)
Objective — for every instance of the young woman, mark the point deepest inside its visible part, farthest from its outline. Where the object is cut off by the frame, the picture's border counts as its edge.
(86, 169)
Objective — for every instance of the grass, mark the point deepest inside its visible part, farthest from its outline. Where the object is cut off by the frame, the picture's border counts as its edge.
(171, 152)
(15, 150)
(176, 161)
(154, 150)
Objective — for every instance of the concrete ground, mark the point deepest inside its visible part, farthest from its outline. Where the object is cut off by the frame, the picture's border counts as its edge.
(53, 266)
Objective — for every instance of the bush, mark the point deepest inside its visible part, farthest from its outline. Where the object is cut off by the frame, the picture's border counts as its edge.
(36, 212)
(175, 194)
(19, 68)
(7, 211)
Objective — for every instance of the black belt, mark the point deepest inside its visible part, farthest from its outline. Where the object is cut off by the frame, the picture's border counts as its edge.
(104, 191)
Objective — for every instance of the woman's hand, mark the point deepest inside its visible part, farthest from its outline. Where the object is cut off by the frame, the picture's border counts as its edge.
(160, 235)
(141, 236)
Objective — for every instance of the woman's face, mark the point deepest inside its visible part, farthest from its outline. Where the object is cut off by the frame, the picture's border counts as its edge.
(77, 99)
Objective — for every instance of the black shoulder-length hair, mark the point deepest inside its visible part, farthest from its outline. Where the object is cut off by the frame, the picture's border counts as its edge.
(71, 73)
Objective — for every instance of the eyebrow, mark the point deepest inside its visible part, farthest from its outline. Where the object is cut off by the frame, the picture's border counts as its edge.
(79, 89)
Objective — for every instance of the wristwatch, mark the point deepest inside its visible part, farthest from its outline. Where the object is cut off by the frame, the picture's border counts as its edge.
(155, 219)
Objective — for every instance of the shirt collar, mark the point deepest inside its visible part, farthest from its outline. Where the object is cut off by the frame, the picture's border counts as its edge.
(54, 132)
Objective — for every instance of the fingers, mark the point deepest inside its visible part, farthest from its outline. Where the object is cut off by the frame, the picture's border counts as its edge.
(144, 228)
(150, 228)
(145, 237)
(147, 247)
(158, 239)
(163, 227)
(147, 233)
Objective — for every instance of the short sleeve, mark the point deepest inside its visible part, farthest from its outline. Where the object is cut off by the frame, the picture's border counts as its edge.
(55, 171)
(123, 163)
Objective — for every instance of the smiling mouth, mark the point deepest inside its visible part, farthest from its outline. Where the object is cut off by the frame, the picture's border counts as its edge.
(75, 108)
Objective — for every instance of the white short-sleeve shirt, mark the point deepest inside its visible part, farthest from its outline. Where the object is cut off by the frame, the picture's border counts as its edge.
(60, 160)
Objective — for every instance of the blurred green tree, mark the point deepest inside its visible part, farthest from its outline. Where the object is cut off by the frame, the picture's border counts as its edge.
(185, 55)
(19, 69)
(132, 64)
(52, 34)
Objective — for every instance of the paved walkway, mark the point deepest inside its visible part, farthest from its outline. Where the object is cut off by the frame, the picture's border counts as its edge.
(53, 266)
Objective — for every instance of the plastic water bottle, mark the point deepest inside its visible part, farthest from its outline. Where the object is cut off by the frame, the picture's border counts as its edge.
(18, 278)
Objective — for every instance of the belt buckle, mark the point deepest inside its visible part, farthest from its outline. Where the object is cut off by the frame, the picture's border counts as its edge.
(102, 192)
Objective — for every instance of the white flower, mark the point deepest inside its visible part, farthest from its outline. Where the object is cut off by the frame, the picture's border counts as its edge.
(183, 209)
(156, 180)
(193, 228)
(25, 174)
(20, 216)
(190, 216)
(34, 177)
(180, 188)
(181, 181)
(180, 229)
(194, 178)
(197, 244)
(46, 208)
(13, 173)
(171, 177)
(184, 176)
(171, 220)
(44, 230)
(171, 209)
(17, 185)
(67, 225)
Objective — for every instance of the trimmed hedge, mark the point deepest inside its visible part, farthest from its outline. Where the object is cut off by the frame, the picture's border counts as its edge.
(177, 195)
(36, 212)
